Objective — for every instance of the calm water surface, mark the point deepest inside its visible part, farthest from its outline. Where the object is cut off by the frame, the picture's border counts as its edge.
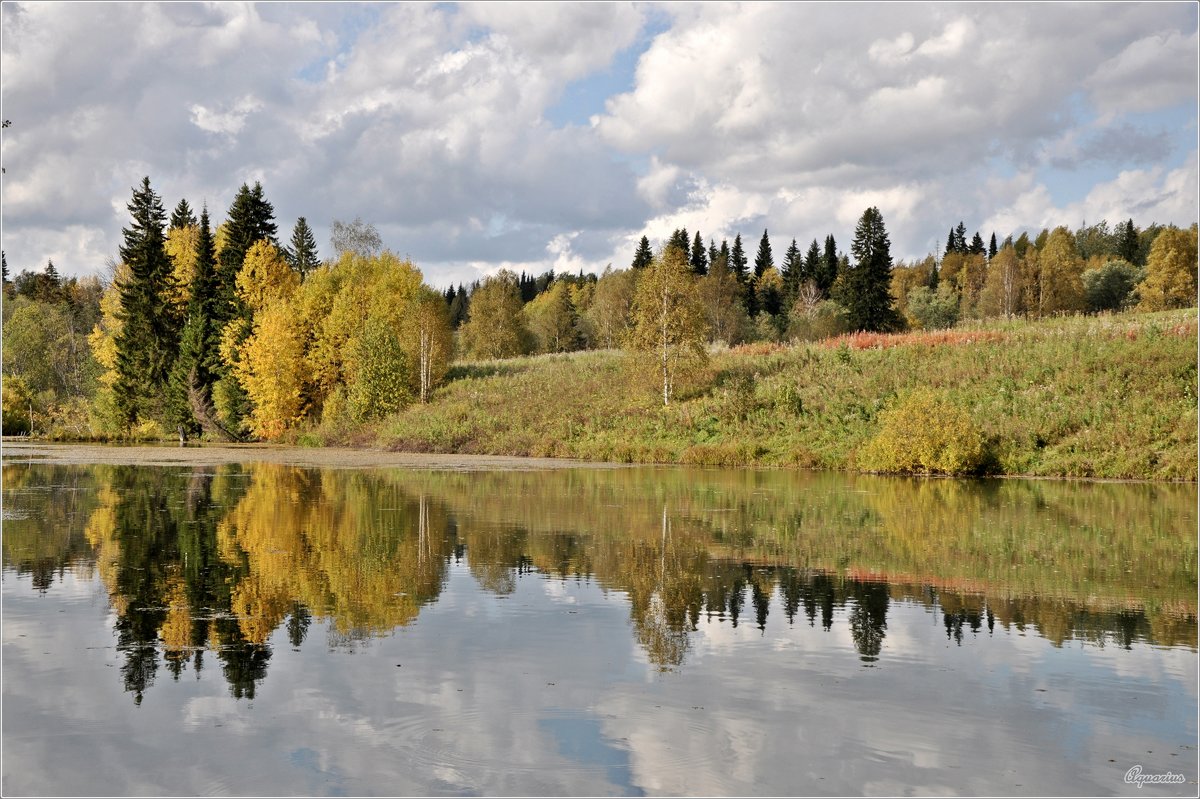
(263, 629)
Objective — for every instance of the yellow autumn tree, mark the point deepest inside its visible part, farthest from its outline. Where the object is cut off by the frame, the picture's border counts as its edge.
(552, 319)
(1170, 280)
(181, 249)
(668, 323)
(428, 338)
(495, 326)
(265, 275)
(1059, 285)
(271, 369)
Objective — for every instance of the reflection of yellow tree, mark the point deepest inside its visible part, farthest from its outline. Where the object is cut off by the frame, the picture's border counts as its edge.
(346, 544)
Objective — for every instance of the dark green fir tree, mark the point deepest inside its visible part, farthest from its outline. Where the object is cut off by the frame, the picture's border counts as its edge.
(867, 290)
(699, 259)
(182, 216)
(302, 252)
(643, 256)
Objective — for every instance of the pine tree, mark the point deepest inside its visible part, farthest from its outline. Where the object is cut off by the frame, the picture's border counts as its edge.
(829, 269)
(737, 260)
(182, 216)
(867, 295)
(302, 254)
(147, 343)
(251, 218)
(643, 256)
(812, 264)
(458, 308)
(699, 260)
(713, 252)
(992, 250)
(680, 240)
(960, 237)
(977, 247)
(1127, 243)
(951, 245)
(198, 366)
(792, 272)
(764, 260)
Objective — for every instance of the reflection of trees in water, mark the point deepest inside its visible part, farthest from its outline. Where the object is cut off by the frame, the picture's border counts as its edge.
(218, 560)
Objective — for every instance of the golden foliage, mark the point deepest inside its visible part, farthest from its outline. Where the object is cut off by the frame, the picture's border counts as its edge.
(668, 323)
(924, 434)
(265, 276)
(1170, 280)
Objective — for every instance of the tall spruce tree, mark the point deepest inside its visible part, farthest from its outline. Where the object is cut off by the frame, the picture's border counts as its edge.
(713, 252)
(148, 341)
(829, 266)
(699, 259)
(1127, 243)
(197, 368)
(812, 264)
(867, 291)
(251, 218)
(738, 261)
(764, 260)
(951, 243)
(182, 216)
(992, 249)
(960, 237)
(302, 253)
(644, 255)
(977, 247)
(792, 272)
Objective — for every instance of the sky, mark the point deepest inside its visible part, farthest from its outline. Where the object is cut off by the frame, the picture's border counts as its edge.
(477, 137)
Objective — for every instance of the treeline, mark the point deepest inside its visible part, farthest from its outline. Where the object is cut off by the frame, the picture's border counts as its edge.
(222, 330)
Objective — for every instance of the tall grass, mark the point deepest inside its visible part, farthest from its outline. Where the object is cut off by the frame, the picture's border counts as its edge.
(1111, 397)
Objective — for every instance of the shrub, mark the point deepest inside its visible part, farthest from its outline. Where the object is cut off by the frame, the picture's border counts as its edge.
(924, 433)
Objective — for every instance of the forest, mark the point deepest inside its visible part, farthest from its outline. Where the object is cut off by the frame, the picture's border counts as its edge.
(222, 331)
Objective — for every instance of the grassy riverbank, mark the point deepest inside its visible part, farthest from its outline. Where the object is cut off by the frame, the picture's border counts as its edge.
(1110, 397)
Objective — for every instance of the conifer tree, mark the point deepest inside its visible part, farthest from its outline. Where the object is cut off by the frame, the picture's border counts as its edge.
(1128, 247)
(829, 267)
(147, 344)
(951, 245)
(713, 252)
(682, 241)
(867, 295)
(643, 256)
(977, 247)
(992, 250)
(182, 216)
(812, 263)
(738, 261)
(699, 260)
(251, 218)
(792, 272)
(960, 237)
(302, 254)
(764, 259)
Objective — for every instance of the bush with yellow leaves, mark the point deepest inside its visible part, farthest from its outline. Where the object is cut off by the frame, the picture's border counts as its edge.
(924, 433)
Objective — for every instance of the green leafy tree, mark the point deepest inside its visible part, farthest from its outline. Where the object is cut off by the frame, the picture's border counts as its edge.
(302, 253)
(1060, 275)
(668, 323)
(148, 341)
(720, 295)
(495, 327)
(933, 310)
(867, 293)
(553, 320)
(608, 314)
(1109, 287)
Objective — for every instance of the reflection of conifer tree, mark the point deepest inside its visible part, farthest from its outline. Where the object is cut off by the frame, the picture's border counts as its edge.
(868, 620)
(954, 624)
(737, 598)
(297, 625)
(244, 663)
(991, 620)
(791, 591)
(762, 604)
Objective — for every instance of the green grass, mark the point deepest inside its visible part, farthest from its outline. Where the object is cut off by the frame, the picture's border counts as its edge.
(1107, 397)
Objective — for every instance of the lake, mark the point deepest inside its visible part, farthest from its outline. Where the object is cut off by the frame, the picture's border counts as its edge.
(263, 628)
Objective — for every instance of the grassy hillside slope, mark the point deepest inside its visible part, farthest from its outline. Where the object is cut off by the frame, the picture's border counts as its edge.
(1111, 396)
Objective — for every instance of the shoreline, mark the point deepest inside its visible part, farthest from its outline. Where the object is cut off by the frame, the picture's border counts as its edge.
(167, 454)
(314, 457)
